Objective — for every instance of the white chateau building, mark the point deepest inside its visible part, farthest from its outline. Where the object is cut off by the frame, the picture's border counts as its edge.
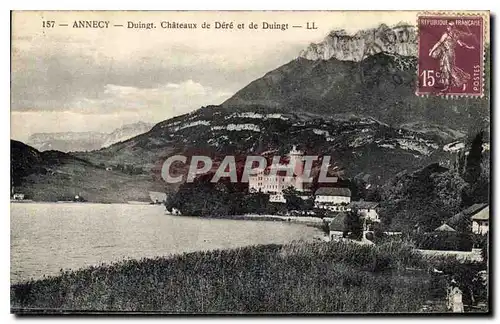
(277, 177)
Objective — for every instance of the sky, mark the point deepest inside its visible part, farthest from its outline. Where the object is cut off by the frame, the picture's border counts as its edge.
(70, 79)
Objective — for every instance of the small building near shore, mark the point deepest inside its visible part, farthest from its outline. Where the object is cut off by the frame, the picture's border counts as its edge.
(280, 198)
(277, 198)
(337, 226)
(332, 198)
(481, 221)
(157, 197)
(367, 209)
(444, 228)
(477, 214)
(18, 196)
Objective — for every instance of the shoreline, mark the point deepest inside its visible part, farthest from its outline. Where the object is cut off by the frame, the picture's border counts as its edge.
(315, 222)
(132, 203)
(306, 220)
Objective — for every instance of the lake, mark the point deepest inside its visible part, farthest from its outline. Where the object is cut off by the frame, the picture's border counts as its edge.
(47, 237)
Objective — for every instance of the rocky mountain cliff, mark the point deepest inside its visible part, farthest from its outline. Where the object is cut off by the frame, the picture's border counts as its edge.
(400, 39)
(85, 141)
(369, 73)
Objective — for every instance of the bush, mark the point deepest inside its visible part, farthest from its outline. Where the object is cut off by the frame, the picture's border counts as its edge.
(257, 203)
(448, 241)
(468, 276)
(479, 241)
(325, 227)
(207, 199)
(353, 225)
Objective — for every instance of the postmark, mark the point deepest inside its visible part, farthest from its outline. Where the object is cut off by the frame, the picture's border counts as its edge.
(450, 55)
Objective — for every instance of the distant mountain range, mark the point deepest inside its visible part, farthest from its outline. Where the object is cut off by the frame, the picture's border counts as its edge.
(85, 141)
(332, 100)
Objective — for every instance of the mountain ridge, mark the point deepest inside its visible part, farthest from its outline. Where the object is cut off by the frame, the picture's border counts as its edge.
(55, 176)
(356, 144)
(399, 39)
(85, 141)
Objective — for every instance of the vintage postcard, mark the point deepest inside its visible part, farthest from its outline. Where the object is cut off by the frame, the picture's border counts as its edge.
(259, 162)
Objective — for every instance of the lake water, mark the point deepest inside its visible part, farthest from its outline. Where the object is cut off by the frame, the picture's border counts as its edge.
(46, 237)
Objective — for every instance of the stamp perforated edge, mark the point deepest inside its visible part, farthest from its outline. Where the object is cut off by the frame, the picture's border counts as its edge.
(484, 15)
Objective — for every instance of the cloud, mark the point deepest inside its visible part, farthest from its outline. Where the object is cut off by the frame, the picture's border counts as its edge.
(54, 73)
(177, 98)
(118, 105)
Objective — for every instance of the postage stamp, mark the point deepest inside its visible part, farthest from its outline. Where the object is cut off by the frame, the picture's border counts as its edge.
(451, 55)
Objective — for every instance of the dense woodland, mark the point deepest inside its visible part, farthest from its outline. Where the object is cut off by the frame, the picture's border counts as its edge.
(421, 200)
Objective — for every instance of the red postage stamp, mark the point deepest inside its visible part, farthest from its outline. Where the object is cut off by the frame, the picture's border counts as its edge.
(451, 55)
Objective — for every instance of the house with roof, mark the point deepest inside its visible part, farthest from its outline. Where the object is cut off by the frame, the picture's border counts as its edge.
(481, 221)
(337, 229)
(367, 209)
(332, 198)
(337, 226)
(444, 228)
(477, 214)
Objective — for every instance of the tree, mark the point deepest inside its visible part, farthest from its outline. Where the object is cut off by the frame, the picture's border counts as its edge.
(205, 198)
(373, 194)
(293, 201)
(358, 189)
(468, 278)
(256, 203)
(473, 165)
(479, 191)
(353, 224)
(448, 187)
(422, 200)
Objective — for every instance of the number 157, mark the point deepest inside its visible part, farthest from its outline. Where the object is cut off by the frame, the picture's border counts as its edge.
(48, 24)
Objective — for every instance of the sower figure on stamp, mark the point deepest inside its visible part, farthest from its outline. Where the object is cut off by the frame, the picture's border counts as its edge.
(444, 50)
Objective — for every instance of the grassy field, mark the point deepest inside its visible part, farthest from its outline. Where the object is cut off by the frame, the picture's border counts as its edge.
(298, 277)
